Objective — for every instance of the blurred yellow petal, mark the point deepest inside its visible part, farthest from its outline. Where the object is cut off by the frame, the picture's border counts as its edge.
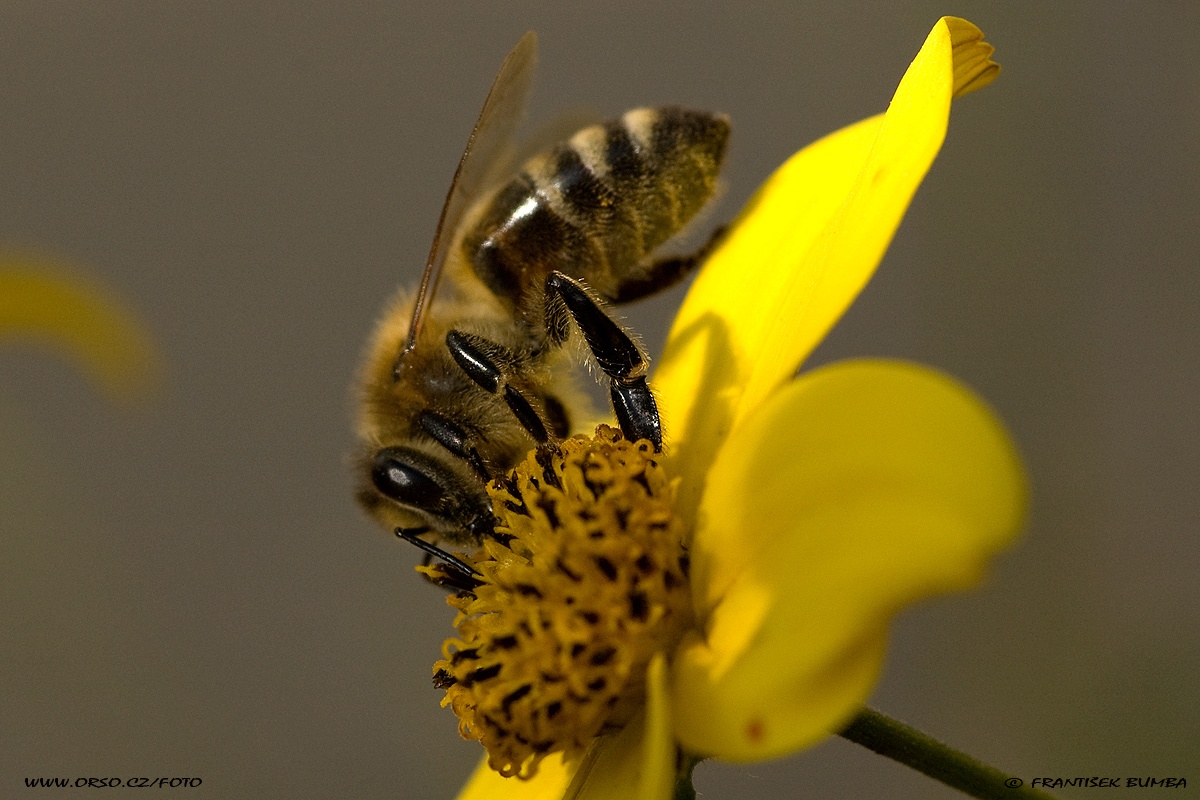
(42, 304)
(801, 251)
(855, 490)
(550, 783)
(637, 763)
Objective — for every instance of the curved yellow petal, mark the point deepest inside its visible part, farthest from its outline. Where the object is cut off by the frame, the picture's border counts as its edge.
(39, 303)
(855, 490)
(801, 251)
(736, 721)
(551, 782)
(637, 763)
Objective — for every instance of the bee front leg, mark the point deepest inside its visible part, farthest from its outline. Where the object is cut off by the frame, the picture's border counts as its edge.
(454, 438)
(481, 360)
(617, 354)
(452, 573)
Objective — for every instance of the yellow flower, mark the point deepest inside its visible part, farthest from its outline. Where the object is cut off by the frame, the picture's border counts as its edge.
(44, 304)
(818, 506)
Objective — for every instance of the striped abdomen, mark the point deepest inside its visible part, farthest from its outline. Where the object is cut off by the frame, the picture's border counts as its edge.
(595, 206)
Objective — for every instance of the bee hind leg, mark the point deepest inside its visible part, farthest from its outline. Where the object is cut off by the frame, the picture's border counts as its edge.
(616, 353)
(666, 272)
(637, 413)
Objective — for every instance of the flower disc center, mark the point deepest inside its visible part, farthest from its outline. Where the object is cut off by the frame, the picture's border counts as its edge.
(585, 579)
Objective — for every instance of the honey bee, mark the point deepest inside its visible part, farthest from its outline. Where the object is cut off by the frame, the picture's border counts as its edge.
(462, 380)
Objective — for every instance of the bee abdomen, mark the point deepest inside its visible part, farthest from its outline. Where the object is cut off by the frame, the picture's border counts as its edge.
(595, 206)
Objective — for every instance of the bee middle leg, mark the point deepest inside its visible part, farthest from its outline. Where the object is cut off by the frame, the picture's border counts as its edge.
(489, 365)
(617, 354)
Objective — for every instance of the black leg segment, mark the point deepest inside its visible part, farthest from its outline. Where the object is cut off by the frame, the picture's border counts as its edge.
(615, 351)
(454, 438)
(556, 415)
(525, 414)
(412, 536)
(452, 573)
(637, 413)
(484, 362)
(471, 354)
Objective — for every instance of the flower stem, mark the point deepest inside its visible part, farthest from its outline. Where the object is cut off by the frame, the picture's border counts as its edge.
(684, 790)
(899, 742)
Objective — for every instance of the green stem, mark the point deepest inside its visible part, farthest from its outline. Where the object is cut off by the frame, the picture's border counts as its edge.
(683, 780)
(899, 742)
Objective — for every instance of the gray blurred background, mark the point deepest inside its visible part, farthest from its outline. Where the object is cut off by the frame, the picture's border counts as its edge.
(191, 591)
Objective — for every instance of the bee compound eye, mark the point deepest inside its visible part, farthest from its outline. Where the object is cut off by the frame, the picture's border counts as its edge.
(405, 483)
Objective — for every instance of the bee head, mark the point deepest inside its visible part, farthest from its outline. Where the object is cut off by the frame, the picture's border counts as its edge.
(408, 484)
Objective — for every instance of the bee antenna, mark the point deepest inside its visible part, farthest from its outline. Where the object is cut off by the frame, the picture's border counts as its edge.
(412, 536)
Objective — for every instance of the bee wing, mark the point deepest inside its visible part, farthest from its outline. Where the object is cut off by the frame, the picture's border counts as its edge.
(554, 131)
(489, 139)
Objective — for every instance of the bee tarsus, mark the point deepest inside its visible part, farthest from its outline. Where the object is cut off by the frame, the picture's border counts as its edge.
(637, 413)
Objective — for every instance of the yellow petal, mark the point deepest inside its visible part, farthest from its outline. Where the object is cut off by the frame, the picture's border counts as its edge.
(553, 778)
(855, 490)
(638, 763)
(801, 251)
(740, 722)
(41, 304)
